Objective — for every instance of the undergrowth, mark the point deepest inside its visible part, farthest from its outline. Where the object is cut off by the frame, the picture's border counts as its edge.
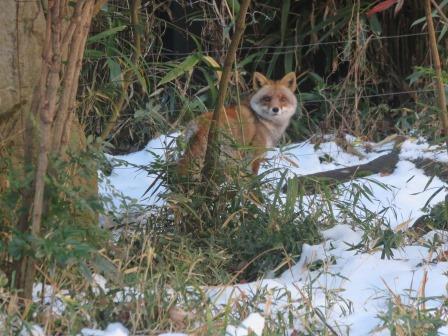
(168, 266)
(413, 315)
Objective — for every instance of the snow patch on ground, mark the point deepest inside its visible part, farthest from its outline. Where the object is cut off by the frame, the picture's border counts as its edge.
(362, 281)
(50, 297)
(113, 329)
(254, 323)
(33, 330)
(128, 181)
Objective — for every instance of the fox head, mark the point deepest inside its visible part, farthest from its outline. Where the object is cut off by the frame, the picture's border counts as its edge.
(274, 100)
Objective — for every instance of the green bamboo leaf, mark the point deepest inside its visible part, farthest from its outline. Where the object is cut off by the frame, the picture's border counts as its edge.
(114, 71)
(432, 196)
(443, 4)
(234, 6)
(93, 54)
(107, 267)
(292, 194)
(86, 272)
(434, 14)
(289, 58)
(442, 33)
(182, 68)
(252, 58)
(309, 96)
(129, 64)
(106, 33)
(375, 24)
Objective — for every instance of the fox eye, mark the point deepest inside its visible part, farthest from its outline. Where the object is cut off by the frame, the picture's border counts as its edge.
(283, 99)
(266, 99)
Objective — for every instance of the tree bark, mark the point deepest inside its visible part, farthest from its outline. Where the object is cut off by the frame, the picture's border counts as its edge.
(72, 45)
(22, 38)
(52, 82)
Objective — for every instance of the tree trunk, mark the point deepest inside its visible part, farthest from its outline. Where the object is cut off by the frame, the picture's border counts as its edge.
(40, 63)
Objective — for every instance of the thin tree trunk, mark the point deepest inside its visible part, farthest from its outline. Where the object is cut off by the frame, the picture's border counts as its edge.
(211, 155)
(47, 109)
(47, 114)
(438, 69)
(71, 46)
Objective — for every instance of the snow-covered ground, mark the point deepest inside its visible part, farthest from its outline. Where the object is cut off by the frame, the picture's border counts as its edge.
(362, 281)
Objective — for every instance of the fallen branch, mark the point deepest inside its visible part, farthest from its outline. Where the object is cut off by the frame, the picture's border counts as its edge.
(384, 164)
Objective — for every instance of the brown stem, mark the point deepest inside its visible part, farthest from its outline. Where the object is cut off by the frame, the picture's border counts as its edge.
(69, 116)
(70, 30)
(71, 74)
(44, 105)
(39, 92)
(135, 20)
(438, 69)
(24, 267)
(211, 155)
(51, 104)
(47, 113)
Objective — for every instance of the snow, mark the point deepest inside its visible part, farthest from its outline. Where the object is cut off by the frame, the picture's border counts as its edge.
(443, 331)
(33, 330)
(419, 148)
(113, 329)
(49, 296)
(253, 323)
(361, 280)
(129, 180)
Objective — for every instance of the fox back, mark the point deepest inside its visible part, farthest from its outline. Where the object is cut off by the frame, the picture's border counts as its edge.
(258, 122)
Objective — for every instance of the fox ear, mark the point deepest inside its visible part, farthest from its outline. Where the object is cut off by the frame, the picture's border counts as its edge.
(290, 81)
(259, 80)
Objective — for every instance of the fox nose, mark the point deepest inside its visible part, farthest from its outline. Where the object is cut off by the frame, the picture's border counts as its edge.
(275, 109)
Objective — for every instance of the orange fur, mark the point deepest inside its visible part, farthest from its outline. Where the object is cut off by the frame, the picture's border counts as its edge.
(258, 123)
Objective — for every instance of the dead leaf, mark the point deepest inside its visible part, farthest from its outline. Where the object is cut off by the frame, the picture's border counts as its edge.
(381, 7)
(443, 256)
(179, 316)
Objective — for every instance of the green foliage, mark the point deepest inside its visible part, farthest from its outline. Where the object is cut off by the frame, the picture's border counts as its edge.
(71, 236)
(409, 316)
(241, 218)
(346, 68)
(374, 226)
(244, 228)
(269, 232)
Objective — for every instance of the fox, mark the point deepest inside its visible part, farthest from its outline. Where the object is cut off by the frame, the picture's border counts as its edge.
(258, 122)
